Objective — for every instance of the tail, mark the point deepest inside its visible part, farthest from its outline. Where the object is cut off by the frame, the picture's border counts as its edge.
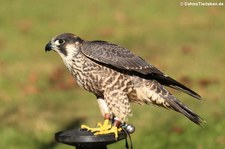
(176, 105)
(156, 94)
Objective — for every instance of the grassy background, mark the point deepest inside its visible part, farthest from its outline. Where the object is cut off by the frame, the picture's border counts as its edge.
(38, 97)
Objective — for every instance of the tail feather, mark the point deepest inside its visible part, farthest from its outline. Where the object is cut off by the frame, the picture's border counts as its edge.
(158, 95)
(183, 109)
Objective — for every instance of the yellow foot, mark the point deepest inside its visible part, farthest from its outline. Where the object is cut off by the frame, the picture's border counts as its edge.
(113, 129)
(105, 128)
(100, 127)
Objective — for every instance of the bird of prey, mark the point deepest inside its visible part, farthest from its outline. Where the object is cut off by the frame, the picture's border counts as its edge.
(117, 77)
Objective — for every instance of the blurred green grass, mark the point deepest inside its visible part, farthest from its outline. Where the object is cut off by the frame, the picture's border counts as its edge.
(38, 97)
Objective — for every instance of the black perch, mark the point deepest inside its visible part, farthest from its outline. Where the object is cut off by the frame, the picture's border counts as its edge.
(83, 139)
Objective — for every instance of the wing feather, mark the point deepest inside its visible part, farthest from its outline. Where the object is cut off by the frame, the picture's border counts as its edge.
(119, 57)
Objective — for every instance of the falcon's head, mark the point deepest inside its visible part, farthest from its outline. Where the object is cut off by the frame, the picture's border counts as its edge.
(66, 45)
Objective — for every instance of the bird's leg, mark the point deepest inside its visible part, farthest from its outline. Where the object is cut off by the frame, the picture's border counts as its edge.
(116, 127)
(100, 127)
(107, 126)
(107, 117)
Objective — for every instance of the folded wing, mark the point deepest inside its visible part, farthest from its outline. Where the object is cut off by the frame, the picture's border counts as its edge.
(121, 58)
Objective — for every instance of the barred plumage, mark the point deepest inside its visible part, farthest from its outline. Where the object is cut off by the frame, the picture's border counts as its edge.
(117, 76)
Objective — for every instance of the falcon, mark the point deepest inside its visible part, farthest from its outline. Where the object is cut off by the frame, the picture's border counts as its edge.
(118, 77)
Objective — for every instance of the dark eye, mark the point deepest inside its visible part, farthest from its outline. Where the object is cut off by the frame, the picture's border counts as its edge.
(60, 41)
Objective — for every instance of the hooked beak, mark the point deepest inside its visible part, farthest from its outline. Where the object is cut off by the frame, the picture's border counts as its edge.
(48, 47)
